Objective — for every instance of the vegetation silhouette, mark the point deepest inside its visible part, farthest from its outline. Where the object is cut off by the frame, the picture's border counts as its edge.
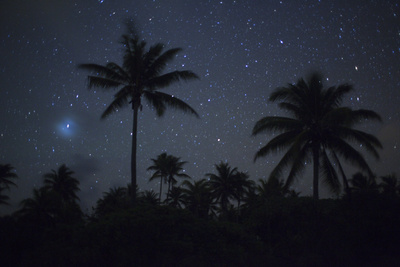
(318, 130)
(140, 76)
(223, 184)
(7, 175)
(198, 224)
(166, 168)
(274, 225)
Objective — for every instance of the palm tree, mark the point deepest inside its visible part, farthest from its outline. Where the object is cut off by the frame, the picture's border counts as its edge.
(272, 188)
(3, 198)
(166, 168)
(319, 130)
(43, 208)
(148, 197)
(140, 76)
(364, 185)
(390, 185)
(198, 198)
(174, 169)
(63, 183)
(6, 176)
(223, 184)
(176, 197)
(242, 186)
(160, 168)
(116, 198)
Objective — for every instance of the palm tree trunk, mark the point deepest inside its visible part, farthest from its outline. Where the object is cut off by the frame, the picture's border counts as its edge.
(161, 181)
(169, 186)
(135, 107)
(316, 170)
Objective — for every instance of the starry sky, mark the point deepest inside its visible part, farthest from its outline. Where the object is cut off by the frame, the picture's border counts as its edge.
(241, 50)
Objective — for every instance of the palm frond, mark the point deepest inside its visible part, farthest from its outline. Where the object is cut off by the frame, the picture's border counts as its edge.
(349, 154)
(279, 142)
(298, 165)
(105, 83)
(329, 173)
(118, 103)
(369, 141)
(160, 63)
(160, 100)
(167, 79)
(277, 124)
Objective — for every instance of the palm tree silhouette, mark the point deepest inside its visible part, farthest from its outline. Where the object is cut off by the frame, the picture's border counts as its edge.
(272, 188)
(223, 184)
(116, 198)
(363, 185)
(319, 130)
(176, 197)
(140, 76)
(160, 168)
(390, 185)
(198, 198)
(242, 186)
(3, 198)
(6, 174)
(148, 197)
(43, 208)
(63, 183)
(166, 168)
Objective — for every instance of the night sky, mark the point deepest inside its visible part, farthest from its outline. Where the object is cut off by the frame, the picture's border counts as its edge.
(242, 50)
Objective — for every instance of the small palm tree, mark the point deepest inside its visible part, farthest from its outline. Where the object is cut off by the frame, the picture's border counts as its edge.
(3, 198)
(160, 168)
(148, 197)
(176, 197)
(166, 168)
(319, 129)
(116, 198)
(272, 188)
(140, 76)
(43, 208)
(243, 185)
(223, 184)
(390, 185)
(62, 182)
(198, 198)
(363, 185)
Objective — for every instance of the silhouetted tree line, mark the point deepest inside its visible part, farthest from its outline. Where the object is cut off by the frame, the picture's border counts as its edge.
(225, 218)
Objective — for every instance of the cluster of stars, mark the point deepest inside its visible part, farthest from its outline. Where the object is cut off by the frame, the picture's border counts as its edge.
(241, 51)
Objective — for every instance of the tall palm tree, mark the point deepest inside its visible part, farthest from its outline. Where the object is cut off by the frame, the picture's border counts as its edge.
(319, 129)
(62, 182)
(140, 76)
(223, 184)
